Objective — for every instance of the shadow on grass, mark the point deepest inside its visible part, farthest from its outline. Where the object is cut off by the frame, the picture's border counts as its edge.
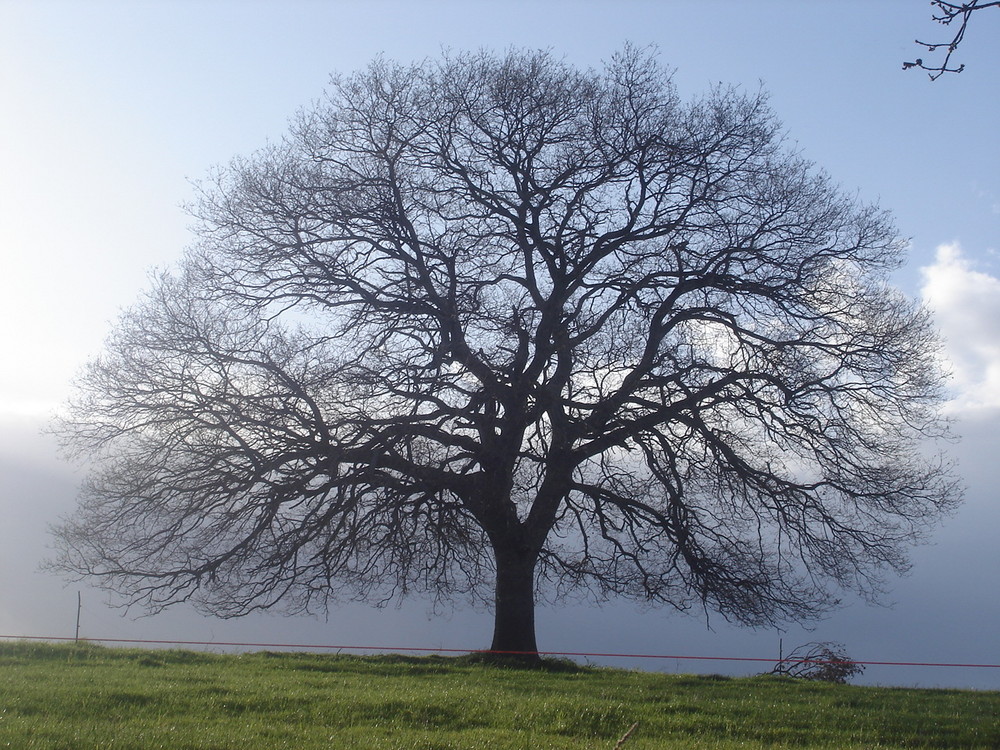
(411, 665)
(521, 662)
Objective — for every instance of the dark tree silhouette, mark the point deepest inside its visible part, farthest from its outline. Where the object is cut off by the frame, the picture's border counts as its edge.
(494, 326)
(947, 13)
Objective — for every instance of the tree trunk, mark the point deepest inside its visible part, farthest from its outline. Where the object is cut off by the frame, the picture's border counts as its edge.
(514, 623)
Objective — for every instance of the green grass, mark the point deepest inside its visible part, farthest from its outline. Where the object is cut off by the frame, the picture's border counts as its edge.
(75, 697)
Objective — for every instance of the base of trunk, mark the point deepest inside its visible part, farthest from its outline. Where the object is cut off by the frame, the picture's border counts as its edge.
(514, 618)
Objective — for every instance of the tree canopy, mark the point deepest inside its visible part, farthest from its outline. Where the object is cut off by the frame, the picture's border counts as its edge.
(494, 326)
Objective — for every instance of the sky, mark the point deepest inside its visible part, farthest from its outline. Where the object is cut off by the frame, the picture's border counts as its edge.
(109, 111)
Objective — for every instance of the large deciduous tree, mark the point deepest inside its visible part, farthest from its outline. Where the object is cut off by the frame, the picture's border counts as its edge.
(494, 326)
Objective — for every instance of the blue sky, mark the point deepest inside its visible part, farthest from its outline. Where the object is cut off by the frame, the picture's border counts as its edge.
(110, 109)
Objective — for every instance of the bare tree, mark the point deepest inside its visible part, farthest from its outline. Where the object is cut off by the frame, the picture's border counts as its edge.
(494, 326)
(947, 13)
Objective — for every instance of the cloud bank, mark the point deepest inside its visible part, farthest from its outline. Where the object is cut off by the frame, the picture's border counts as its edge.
(966, 306)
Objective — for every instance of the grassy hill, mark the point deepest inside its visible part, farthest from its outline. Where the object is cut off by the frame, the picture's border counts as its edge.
(76, 697)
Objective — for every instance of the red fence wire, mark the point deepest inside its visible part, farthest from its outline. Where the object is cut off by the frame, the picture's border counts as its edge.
(413, 649)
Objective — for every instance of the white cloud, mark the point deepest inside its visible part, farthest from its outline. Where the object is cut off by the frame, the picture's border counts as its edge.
(966, 306)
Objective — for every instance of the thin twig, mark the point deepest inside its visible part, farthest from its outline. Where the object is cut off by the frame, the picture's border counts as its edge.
(625, 736)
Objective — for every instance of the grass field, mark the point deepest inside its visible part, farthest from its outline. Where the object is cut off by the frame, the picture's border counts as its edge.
(75, 697)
